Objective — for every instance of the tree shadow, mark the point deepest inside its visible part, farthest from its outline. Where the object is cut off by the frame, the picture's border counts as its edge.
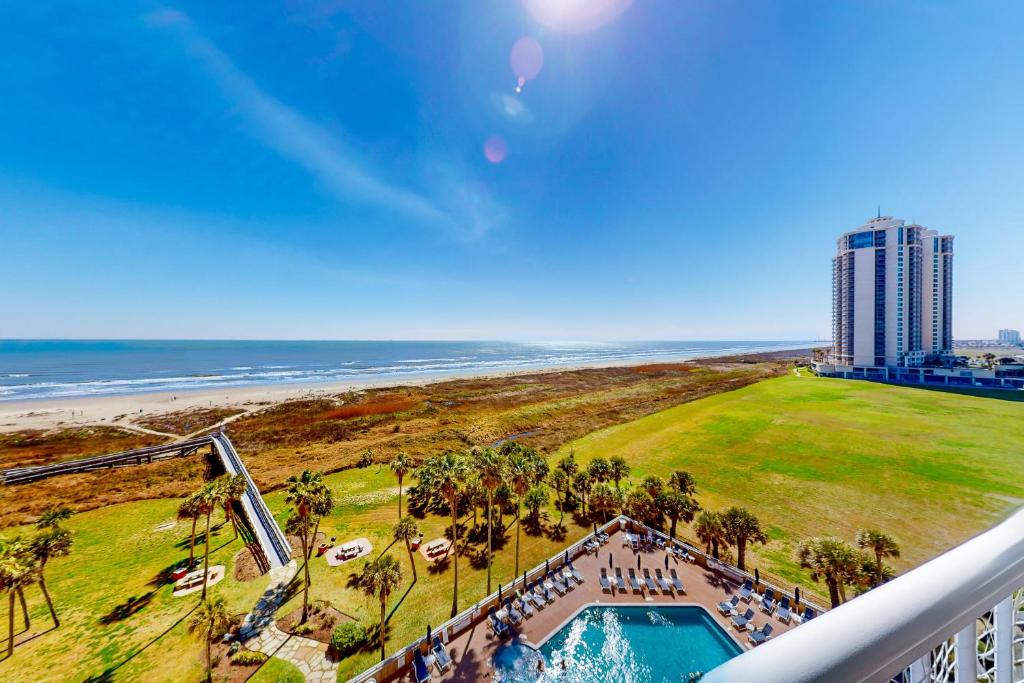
(129, 607)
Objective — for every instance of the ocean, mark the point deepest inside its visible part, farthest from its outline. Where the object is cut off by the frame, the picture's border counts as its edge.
(38, 369)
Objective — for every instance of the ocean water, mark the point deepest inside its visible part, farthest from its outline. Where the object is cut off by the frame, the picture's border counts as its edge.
(31, 369)
(631, 644)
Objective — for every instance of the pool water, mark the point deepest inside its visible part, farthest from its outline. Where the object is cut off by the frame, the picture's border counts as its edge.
(629, 644)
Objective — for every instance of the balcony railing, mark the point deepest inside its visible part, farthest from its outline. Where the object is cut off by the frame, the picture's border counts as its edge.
(956, 619)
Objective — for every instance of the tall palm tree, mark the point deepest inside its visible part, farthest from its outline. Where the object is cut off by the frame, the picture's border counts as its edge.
(232, 488)
(710, 531)
(16, 572)
(406, 530)
(520, 476)
(741, 527)
(618, 469)
(310, 499)
(446, 475)
(400, 465)
(191, 508)
(55, 542)
(882, 545)
(53, 515)
(676, 506)
(491, 467)
(210, 497)
(830, 560)
(380, 578)
(582, 484)
(209, 622)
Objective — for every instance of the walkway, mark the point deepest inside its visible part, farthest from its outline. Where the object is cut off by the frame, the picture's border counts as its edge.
(259, 632)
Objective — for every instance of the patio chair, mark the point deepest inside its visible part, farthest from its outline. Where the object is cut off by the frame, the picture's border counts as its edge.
(758, 637)
(664, 585)
(652, 587)
(576, 575)
(740, 622)
(606, 585)
(729, 606)
(634, 582)
(419, 668)
(515, 617)
(620, 583)
(746, 591)
(500, 629)
(676, 583)
(783, 614)
(441, 659)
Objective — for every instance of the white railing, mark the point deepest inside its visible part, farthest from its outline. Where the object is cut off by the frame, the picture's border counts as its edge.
(958, 618)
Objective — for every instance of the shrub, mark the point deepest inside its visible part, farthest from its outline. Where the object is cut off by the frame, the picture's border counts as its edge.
(248, 657)
(348, 637)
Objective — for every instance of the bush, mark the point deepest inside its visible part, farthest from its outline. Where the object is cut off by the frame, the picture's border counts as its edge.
(247, 657)
(348, 637)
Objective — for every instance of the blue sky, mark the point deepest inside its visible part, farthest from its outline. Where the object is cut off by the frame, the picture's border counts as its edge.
(317, 169)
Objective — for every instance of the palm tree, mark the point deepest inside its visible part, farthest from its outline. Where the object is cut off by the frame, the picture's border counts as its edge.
(582, 484)
(683, 482)
(406, 530)
(710, 531)
(446, 475)
(15, 573)
(56, 542)
(53, 515)
(491, 468)
(741, 527)
(209, 622)
(617, 469)
(520, 475)
(400, 465)
(599, 470)
(191, 508)
(232, 488)
(676, 505)
(380, 578)
(310, 499)
(830, 560)
(882, 545)
(209, 497)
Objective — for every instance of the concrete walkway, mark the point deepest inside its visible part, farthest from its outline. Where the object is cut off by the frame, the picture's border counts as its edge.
(260, 632)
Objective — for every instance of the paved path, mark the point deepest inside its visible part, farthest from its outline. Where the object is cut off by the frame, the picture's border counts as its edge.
(260, 632)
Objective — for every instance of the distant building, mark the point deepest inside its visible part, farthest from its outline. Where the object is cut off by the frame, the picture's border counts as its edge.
(1009, 336)
(892, 310)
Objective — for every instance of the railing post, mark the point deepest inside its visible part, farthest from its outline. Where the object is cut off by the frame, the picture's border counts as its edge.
(967, 653)
(1004, 640)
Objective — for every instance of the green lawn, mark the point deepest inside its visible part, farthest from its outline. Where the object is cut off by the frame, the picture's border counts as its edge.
(815, 456)
(808, 455)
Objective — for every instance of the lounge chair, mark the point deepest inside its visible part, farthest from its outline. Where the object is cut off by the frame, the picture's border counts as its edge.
(768, 601)
(729, 606)
(740, 622)
(662, 583)
(552, 582)
(578, 576)
(515, 617)
(783, 613)
(620, 583)
(747, 591)
(606, 585)
(441, 659)
(419, 668)
(500, 629)
(676, 583)
(649, 580)
(634, 582)
(758, 637)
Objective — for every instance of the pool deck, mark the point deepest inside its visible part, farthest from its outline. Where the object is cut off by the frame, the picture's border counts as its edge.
(471, 651)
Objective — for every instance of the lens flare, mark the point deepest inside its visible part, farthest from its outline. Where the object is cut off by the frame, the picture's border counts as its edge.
(526, 60)
(495, 149)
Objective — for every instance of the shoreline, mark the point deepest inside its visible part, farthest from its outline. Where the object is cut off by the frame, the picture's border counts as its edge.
(121, 409)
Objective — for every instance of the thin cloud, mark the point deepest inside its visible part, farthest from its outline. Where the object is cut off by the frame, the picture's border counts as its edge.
(470, 211)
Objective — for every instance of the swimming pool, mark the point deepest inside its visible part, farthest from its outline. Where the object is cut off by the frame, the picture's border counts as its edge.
(623, 643)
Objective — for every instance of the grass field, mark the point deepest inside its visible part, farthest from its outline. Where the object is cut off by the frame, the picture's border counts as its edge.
(815, 456)
(809, 456)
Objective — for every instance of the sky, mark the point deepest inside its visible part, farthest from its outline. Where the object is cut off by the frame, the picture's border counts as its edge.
(513, 169)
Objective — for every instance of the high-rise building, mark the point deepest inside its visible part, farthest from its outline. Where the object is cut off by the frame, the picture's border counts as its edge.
(1009, 336)
(892, 295)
